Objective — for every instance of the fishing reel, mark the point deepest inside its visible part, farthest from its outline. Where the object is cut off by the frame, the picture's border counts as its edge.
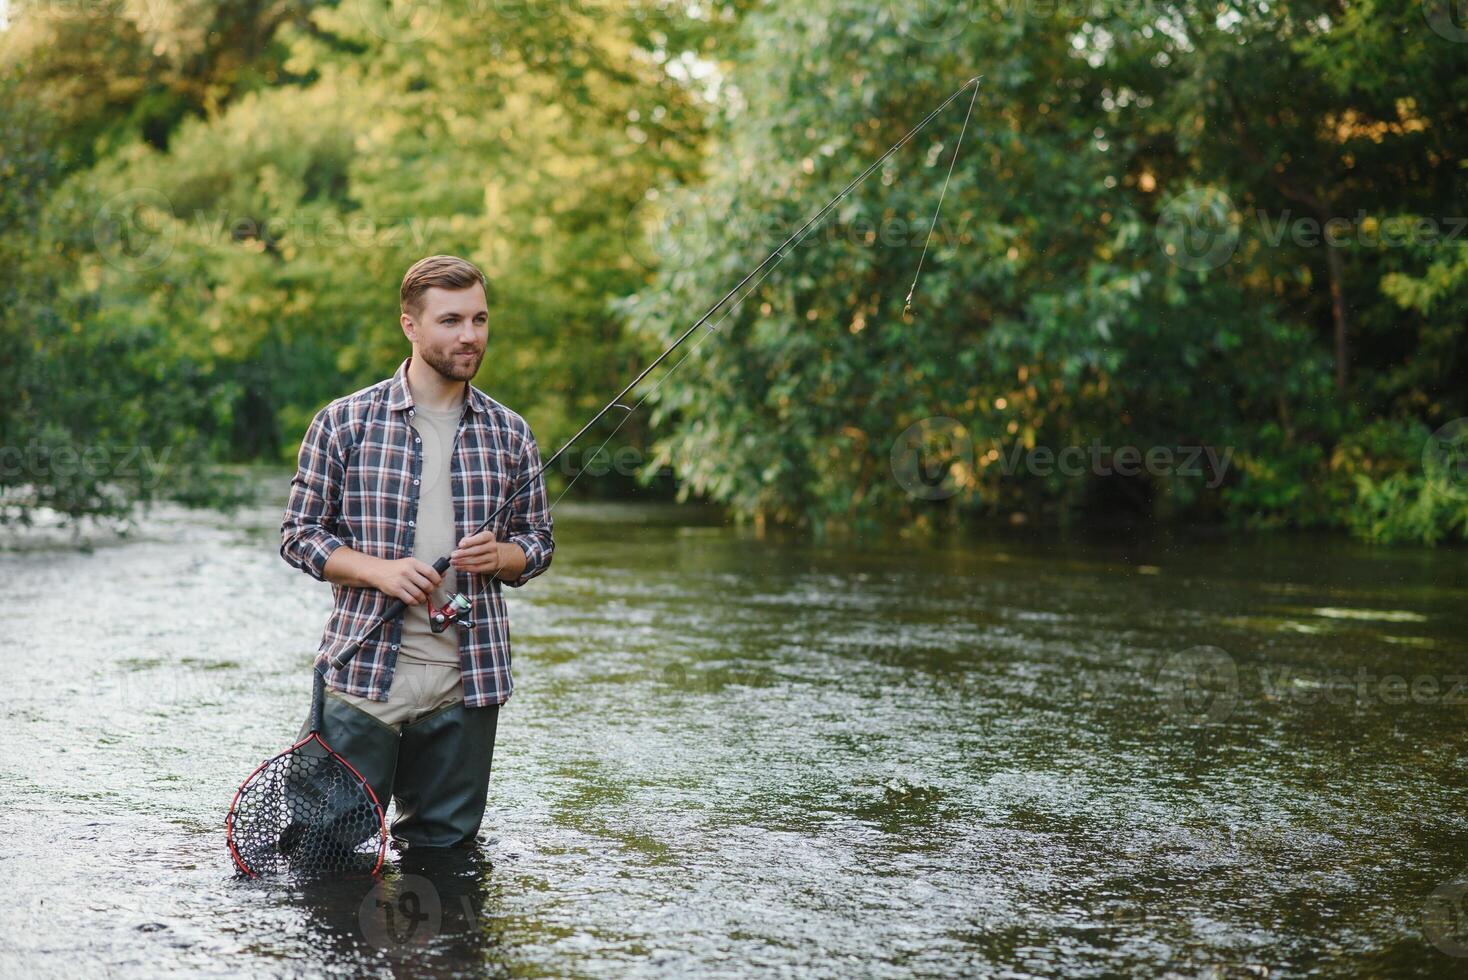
(452, 611)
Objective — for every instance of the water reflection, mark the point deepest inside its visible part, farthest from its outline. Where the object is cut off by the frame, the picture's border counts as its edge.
(428, 914)
(1018, 756)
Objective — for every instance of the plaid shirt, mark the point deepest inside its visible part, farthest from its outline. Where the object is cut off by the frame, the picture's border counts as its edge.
(357, 485)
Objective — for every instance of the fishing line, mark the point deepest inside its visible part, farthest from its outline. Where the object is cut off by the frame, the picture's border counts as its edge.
(713, 328)
(907, 304)
(757, 275)
(907, 308)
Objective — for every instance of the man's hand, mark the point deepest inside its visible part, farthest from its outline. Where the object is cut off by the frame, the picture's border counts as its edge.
(407, 579)
(482, 554)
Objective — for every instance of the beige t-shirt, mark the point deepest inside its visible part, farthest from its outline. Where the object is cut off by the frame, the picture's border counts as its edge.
(434, 534)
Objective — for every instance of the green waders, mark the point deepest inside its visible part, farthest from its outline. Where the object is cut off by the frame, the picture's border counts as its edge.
(436, 767)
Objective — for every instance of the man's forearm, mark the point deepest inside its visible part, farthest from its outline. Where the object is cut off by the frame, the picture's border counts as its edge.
(348, 566)
(512, 561)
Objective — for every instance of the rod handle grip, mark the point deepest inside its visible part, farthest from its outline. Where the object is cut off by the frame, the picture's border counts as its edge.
(394, 609)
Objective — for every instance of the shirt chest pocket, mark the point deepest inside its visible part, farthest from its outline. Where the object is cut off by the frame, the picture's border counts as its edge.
(379, 493)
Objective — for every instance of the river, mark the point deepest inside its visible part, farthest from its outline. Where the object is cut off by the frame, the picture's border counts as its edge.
(729, 754)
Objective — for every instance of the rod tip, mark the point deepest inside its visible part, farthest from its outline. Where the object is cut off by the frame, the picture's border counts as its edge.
(973, 81)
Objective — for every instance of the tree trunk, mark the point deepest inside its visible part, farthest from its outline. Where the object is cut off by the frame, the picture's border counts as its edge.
(1339, 314)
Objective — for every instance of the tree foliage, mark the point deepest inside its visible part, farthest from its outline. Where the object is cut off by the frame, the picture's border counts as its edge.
(1126, 260)
(1232, 227)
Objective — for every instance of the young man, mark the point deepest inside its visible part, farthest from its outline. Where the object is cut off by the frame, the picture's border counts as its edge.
(392, 478)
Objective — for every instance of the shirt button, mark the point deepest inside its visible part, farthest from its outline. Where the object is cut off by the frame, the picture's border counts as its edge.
(394, 646)
(411, 524)
(417, 438)
(415, 483)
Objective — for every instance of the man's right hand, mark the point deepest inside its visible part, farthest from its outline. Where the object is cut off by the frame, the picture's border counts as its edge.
(407, 579)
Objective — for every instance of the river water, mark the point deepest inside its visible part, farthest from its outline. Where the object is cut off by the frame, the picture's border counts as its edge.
(728, 755)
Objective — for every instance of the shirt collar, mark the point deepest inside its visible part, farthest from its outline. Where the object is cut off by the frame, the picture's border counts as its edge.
(399, 396)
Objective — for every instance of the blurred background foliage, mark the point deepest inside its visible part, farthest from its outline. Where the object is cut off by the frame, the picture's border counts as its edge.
(207, 207)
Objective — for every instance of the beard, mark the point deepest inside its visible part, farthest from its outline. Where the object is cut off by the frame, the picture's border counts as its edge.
(452, 367)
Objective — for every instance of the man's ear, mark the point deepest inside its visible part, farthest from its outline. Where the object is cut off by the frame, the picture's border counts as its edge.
(410, 328)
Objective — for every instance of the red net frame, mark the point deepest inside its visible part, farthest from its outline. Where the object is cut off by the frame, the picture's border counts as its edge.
(306, 811)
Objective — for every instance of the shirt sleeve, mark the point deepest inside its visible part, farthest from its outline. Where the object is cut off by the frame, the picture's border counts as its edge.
(530, 521)
(308, 532)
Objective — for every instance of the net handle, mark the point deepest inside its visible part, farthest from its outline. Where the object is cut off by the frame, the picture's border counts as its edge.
(318, 698)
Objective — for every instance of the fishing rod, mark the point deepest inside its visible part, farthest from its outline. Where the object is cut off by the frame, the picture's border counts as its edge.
(397, 607)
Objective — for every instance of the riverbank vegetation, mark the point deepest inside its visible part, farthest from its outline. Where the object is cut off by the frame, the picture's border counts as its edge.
(1177, 231)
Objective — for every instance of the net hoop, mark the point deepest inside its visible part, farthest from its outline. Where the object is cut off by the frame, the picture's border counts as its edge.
(229, 819)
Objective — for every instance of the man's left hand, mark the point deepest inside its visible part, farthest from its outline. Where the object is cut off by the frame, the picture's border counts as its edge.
(482, 554)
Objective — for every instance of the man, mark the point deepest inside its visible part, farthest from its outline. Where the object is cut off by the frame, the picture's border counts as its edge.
(392, 478)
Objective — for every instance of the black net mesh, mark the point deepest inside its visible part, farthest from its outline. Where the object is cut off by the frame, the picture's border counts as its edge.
(306, 812)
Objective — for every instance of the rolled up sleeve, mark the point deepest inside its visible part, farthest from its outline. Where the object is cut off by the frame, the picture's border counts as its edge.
(309, 531)
(530, 522)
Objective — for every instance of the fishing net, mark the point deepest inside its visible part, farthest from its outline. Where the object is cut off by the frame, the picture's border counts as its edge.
(306, 811)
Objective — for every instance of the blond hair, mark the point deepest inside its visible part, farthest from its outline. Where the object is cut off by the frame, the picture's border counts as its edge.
(443, 271)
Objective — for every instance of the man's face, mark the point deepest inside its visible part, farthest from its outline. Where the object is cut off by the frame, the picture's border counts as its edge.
(450, 331)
